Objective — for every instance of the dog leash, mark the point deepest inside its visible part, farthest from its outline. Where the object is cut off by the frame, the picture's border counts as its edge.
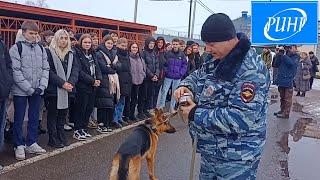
(193, 158)
(194, 147)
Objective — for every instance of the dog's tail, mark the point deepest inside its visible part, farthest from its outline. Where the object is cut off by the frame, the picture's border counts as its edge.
(123, 167)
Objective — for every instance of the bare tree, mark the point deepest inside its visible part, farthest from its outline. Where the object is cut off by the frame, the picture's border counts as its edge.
(37, 3)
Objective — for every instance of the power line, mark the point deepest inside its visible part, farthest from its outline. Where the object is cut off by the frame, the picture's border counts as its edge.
(205, 6)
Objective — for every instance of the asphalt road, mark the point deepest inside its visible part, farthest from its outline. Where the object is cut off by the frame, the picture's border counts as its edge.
(93, 160)
(289, 152)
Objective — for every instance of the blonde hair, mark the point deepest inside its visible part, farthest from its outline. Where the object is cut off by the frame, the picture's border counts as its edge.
(61, 53)
(19, 36)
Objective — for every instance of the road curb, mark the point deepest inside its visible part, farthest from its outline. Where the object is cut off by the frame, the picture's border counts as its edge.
(29, 161)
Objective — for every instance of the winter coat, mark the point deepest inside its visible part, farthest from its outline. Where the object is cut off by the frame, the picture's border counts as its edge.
(287, 68)
(232, 105)
(198, 60)
(123, 69)
(191, 65)
(314, 69)
(150, 58)
(103, 97)
(160, 57)
(31, 70)
(55, 81)
(86, 80)
(176, 65)
(203, 57)
(6, 79)
(138, 69)
(303, 69)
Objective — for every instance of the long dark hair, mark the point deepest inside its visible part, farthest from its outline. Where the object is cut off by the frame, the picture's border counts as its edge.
(131, 44)
(83, 36)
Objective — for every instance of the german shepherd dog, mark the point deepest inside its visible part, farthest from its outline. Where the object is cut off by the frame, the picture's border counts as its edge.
(141, 143)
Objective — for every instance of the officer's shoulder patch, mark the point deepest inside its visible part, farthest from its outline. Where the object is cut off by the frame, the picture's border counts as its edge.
(247, 92)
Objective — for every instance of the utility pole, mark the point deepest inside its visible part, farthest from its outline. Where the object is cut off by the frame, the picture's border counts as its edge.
(193, 18)
(189, 26)
(135, 11)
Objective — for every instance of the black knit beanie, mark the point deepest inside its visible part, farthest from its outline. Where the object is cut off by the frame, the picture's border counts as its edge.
(217, 28)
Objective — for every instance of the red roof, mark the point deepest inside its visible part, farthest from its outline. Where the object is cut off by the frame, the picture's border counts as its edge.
(68, 15)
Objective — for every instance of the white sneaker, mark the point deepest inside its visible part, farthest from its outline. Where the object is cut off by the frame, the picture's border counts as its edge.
(102, 129)
(66, 127)
(101, 124)
(86, 133)
(109, 129)
(19, 152)
(79, 135)
(35, 149)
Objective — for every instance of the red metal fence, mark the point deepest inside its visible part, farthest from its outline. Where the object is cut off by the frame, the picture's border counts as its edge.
(9, 27)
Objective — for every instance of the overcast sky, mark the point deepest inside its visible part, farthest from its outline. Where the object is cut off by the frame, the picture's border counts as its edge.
(170, 15)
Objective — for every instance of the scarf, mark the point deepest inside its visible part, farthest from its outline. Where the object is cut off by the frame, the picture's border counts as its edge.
(114, 84)
(63, 99)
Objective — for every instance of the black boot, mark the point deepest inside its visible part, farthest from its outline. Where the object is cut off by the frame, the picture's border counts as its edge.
(298, 93)
(303, 94)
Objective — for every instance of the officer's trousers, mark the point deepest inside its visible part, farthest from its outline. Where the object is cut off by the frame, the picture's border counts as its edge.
(213, 168)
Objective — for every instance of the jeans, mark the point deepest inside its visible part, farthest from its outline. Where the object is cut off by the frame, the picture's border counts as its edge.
(20, 104)
(285, 99)
(2, 121)
(164, 91)
(118, 111)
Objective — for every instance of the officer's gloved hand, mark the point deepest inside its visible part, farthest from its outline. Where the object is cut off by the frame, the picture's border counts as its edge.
(37, 92)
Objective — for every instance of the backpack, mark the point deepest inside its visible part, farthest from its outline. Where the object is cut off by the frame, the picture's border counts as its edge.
(19, 45)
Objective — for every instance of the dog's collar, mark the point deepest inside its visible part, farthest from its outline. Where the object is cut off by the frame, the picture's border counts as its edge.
(154, 127)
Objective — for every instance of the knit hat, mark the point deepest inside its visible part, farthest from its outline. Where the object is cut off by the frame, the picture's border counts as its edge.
(217, 28)
(105, 32)
(189, 43)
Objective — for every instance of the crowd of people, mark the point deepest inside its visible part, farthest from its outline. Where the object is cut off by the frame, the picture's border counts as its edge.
(292, 71)
(81, 83)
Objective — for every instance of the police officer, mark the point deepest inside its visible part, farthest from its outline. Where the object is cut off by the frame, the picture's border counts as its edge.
(228, 112)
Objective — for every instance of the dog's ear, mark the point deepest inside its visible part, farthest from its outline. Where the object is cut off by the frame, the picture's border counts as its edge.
(160, 111)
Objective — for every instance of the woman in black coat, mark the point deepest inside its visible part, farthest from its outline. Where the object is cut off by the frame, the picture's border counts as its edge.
(63, 76)
(89, 80)
(105, 94)
(191, 61)
(122, 67)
